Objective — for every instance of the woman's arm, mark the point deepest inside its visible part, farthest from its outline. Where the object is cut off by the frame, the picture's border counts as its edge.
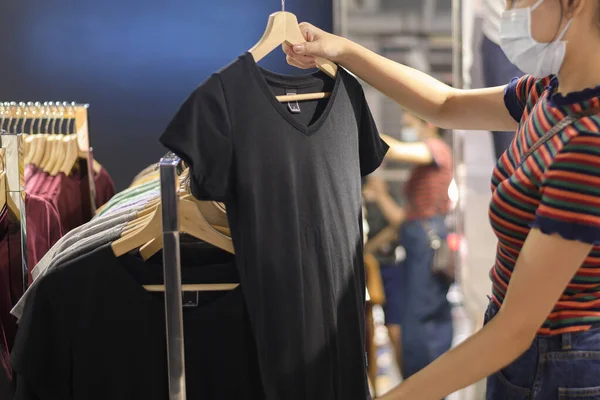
(544, 268)
(376, 190)
(383, 238)
(415, 91)
(414, 153)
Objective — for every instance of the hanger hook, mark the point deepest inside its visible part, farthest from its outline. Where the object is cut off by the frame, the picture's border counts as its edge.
(11, 113)
(61, 113)
(46, 112)
(31, 110)
(54, 107)
(40, 112)
(73, 113)
(22, 118)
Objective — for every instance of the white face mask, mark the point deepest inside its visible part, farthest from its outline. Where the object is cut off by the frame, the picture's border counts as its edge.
(410, 134)
(530, 56)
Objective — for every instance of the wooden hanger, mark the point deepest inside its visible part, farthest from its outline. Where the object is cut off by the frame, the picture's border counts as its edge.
(40, 149)
(282, 27)
(148, 226)
(214, 215)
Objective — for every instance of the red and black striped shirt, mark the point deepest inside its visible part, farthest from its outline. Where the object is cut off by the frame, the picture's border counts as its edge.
(557, 190)
(427, 188)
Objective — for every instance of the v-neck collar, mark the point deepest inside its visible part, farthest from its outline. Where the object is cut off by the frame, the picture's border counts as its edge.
(298, 81)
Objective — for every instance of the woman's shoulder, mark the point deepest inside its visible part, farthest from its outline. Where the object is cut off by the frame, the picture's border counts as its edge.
(522, 93)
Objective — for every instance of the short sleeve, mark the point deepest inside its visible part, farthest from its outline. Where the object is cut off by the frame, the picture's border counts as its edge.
(523, 92)
(372, 148)
(440, 152)
(570, 204)
(200, 133)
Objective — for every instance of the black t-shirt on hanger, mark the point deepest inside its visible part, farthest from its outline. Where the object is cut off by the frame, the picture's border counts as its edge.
(291, 183)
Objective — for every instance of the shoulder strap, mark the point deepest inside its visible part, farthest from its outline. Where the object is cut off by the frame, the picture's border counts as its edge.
(562, 124)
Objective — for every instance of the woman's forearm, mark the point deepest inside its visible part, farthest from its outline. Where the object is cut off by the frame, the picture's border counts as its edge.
(414, 90)
(487, 351)
(427, 97)
(414, 153)
(392, 211)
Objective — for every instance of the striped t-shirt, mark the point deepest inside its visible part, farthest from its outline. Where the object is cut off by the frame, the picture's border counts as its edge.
(557, 190)
(427, 188)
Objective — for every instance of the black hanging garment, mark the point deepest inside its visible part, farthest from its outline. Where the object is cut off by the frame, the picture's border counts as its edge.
(291, 181)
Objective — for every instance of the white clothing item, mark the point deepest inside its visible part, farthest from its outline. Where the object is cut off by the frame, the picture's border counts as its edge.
(492, 15)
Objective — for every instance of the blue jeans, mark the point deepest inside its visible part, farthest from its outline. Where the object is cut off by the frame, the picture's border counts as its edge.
(426, 318)
(561, 367)
(498, 71)
(394, 286)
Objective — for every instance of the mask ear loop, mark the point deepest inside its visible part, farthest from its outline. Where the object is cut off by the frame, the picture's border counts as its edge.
(564, 31)
(536, 5)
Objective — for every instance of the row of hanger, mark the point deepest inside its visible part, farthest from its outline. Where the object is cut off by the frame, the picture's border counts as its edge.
(52, 141)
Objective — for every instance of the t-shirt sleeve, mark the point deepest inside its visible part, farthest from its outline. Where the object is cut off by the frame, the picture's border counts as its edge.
(440, 152)
(200, 133)
(372, 148)
(570, 189)
(523, 92)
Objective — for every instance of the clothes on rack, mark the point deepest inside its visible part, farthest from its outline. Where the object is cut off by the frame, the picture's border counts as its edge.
(100, 231)
(68, 192)
(43, 231)
(87, 295)
(291, 185)
(97, 299)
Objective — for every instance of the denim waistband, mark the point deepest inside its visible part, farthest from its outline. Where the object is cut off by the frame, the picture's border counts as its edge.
(581, 341)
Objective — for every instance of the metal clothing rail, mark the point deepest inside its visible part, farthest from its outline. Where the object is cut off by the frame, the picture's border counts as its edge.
(13, 146)
(172, 275)
(22, 117)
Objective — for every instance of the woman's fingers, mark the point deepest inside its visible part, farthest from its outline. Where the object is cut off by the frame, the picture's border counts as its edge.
(303, 65)
(298, 60)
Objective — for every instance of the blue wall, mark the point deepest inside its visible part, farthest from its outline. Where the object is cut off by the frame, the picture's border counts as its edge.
(134, 61)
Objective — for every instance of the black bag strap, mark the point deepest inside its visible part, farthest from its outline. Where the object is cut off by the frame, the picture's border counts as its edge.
(562, 124)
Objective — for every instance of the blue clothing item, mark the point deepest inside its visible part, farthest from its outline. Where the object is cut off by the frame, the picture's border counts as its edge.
(427, 318)
(560, 367)
(394, 287)
(498, 71)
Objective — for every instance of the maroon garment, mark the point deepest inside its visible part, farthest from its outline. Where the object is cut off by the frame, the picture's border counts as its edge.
(68, 194)
(7, 322)
(427, 188)
(43, 231)
(105, 187)
(43, 228)
(63, 192)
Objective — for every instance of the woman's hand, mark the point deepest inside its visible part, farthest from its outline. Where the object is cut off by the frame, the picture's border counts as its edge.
(318, 44)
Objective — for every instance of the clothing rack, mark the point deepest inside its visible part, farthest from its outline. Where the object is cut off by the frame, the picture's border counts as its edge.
(172, 275)
(22, 117)
(15, 167)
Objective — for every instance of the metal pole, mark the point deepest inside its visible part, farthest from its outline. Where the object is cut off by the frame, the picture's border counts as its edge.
(172, 277)
(457, 44)
(15, 168)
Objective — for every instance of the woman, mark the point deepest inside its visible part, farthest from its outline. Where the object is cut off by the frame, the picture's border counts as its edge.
(417, 312)
(541, 339)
